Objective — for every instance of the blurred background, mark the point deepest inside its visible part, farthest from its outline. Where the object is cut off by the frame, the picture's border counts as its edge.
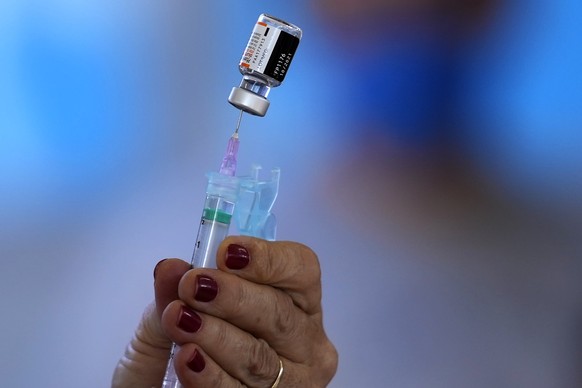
(431, 154)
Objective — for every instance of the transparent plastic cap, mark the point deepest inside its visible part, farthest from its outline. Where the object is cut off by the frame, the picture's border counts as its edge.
(252, 213)
(223, 186)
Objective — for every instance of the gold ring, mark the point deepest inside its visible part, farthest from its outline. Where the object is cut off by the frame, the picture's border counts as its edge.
(278, 380)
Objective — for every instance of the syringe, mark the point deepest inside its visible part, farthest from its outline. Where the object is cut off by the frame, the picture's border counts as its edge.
(275, 42)
(221, 195)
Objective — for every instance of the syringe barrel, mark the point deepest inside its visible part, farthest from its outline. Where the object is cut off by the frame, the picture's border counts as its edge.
(213, 229)
(171, 379)
(221, 196)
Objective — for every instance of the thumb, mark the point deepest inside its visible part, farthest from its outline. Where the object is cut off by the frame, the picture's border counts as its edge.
(167, 275)
(146, 356)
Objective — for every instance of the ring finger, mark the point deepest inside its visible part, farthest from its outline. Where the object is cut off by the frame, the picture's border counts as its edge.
(246, 358)
(263, 311)
(195, 368)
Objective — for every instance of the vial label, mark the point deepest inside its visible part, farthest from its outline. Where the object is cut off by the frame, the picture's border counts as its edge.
(269, 51)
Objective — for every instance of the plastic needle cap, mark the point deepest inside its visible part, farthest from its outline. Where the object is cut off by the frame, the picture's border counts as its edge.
(228, 166)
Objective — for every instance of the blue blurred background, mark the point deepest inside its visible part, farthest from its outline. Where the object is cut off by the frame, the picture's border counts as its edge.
(431, 156)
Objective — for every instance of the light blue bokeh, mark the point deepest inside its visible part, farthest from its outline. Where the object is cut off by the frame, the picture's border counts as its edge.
(112, 111)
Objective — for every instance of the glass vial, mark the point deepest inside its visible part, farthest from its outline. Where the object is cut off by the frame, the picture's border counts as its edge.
(264, 63)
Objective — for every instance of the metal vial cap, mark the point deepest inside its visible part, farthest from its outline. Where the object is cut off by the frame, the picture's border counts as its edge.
(248, 101)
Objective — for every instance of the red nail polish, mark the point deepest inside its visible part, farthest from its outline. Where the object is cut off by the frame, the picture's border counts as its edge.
(237, 257)
(188, 320)
(196, 362)
(206, 288)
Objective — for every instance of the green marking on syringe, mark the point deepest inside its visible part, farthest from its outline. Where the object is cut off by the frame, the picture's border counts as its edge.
(216, 215)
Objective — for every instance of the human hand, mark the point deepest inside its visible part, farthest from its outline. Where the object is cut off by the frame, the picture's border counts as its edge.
(262, 305)
(234, 324)
(146, 356)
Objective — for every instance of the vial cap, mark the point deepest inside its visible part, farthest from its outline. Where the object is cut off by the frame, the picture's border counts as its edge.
(248, 101)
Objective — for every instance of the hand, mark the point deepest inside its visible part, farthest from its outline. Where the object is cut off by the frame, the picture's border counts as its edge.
(234, 324)
(146, 357)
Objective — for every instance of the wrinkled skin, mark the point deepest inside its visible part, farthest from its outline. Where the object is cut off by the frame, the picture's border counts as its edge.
(270, 310)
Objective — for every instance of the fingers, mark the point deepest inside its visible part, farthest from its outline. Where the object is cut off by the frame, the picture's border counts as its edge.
(235, 323)
(291, 267)
(196, 369)
(232, 352)
(263, 311)
(167, 275)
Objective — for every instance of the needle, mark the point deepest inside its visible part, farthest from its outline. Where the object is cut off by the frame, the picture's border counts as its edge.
(238, 122)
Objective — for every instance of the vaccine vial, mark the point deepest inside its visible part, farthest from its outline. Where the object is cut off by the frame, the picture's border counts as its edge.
(264, 63)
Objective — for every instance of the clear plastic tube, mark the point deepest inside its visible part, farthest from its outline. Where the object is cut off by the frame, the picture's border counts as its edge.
(212, 230)
(221, 195)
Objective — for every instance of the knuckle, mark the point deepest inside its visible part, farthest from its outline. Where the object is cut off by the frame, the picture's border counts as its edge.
(261, 362)
(221, 379)
(264, 271)
(307, 262)
(325, 362)
(242, 301)
(329, 361)
(296, 259)
(286, 255)
(280, 260)
(150, 331)
(217, 380)
(222, 338)
(308, 254)
(285, 322)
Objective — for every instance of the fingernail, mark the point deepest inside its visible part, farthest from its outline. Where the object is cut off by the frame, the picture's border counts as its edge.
(237, 257)
(157, 266)
(206, 288)
(196, 362)
(188, 320)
